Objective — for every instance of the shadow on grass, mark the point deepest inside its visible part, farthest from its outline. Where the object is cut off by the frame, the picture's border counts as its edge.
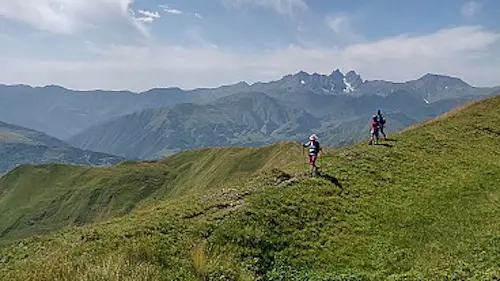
(331, 179)
(384, 144)
(391, 140)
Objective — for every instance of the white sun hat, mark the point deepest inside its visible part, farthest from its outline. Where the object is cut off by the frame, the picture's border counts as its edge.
(313, 137)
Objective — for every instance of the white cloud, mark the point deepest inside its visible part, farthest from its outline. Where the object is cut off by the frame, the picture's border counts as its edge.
(342, 26)
(287, 7)
(176, 11)
(173, 11)
(471, 9)
(337, 23)
(148, 16)
(146, 19)
(72, 16)
(468, 52)
(443, 44)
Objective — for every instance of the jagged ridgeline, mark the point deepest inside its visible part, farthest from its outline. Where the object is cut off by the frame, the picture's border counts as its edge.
(422, 207)
(159, 122)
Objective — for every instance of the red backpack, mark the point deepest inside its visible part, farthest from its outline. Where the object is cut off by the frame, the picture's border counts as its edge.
(374, 124)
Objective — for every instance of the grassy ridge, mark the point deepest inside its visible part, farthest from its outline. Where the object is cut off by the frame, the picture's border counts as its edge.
(37, 199)
(424, 207)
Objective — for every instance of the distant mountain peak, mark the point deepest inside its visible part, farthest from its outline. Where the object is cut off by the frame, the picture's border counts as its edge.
(243, 83)
(436, 77)
(439, 81)
(301, 74)
(433, 87)
(353, 80)
(336, 72)
(334, 83)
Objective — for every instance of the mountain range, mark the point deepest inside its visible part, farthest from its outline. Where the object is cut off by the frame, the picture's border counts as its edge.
(161, 121)
(20, 145)
(336, 107)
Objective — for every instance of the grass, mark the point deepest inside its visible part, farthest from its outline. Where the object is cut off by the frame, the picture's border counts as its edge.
(39, 199)
(424, 207)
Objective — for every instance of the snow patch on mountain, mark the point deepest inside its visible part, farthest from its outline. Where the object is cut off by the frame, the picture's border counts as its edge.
(348, 86)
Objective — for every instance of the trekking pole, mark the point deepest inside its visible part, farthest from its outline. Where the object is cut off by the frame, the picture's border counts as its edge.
(303, 152)
(305, 160)
(321, 159)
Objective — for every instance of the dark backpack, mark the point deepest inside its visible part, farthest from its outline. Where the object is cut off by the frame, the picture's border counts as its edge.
(314, 147)
(380, 119)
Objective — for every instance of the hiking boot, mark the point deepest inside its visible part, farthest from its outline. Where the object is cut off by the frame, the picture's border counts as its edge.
(316, 171)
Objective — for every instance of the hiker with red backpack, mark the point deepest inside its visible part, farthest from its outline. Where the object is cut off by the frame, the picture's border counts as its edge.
(374, 130)
(314, 149)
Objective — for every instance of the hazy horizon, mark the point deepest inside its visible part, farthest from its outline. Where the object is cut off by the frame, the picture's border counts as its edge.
(235, 82)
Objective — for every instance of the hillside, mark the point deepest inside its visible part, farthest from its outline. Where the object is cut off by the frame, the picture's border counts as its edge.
(37, 199)
(19, 145)
(244, 119)
(424, 207)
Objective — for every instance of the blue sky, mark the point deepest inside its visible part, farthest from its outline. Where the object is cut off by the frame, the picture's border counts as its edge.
(137, 45)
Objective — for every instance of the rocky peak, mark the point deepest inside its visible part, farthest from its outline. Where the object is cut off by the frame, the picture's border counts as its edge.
(335, 83)
(353, 80)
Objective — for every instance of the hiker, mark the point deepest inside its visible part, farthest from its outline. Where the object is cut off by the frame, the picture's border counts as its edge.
(314, 149)
(374, 130)
(381, 123)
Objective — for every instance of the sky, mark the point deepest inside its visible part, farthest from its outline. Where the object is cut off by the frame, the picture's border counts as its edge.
(143, 44)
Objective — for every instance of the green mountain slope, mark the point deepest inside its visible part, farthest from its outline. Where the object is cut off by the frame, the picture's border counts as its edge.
(425, 207)
(244, 119)
(14, 134)
(358, 129)
(19, 145)
(37, 199)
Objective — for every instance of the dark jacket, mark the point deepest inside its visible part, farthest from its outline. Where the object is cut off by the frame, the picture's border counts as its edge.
(314, 147)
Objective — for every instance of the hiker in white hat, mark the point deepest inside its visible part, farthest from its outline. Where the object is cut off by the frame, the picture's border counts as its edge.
(314, 149)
